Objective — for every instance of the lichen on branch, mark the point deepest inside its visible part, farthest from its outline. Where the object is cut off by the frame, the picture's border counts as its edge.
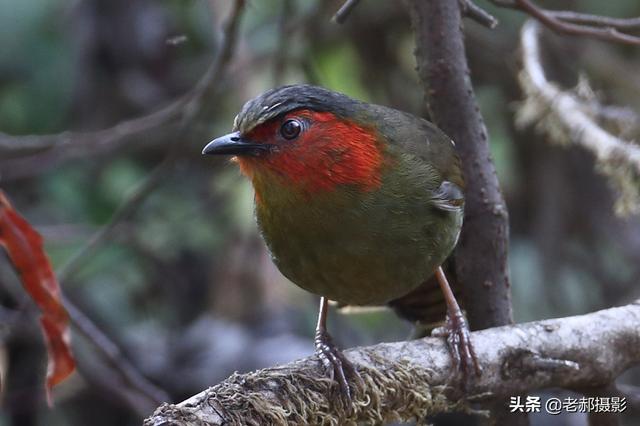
(566, 118)
(406, 381)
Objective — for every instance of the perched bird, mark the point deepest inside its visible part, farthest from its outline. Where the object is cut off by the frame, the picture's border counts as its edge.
(357, 203)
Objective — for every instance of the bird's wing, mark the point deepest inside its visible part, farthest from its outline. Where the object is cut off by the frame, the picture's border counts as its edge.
(448, 197)
(412, 135)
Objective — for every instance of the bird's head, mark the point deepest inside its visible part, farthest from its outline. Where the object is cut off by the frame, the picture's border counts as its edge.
(304, 137)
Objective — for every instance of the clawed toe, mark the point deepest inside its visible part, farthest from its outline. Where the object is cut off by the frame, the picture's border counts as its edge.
(339, 368)
(460, 346)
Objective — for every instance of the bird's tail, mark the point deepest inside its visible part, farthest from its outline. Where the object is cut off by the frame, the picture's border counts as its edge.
(425, 306)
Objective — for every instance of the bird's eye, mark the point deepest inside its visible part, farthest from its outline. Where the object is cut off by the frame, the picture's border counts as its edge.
(290, 129)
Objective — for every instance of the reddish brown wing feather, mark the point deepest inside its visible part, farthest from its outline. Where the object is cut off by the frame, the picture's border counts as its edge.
(24, 247)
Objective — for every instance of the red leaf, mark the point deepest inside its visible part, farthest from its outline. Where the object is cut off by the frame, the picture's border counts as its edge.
(24, 247)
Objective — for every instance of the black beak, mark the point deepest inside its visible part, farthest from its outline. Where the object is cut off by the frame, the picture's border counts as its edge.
(234, 144)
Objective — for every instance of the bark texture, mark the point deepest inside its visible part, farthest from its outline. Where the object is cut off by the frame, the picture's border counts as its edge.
(481, 255)
(411, 380)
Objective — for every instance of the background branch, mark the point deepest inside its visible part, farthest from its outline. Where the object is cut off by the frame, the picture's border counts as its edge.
(345, 10)
(410, 380)
(478, 14)
(581, 24)
(137, 131)
(565, 118)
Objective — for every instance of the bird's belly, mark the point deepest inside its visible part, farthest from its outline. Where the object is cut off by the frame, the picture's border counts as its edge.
(360, 257)
(340, 274)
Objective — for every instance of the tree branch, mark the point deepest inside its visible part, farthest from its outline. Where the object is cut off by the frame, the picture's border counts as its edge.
(345, 10)
(478, 14)
(405, 381)
(481, 256)
(582, 24)
(564, 117)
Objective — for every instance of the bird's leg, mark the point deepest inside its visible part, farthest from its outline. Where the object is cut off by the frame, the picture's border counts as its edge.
(456, 330)
(331, 357)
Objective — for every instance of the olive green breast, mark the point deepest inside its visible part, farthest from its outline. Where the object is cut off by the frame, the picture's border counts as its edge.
(360, 247)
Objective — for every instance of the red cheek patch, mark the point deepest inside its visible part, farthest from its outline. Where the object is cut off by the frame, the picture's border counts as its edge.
(330, 152)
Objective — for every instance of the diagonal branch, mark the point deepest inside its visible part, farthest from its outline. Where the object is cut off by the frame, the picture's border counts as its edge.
(206, 88)
(71, 144)
(405, 381)
(628, 24)
(345, 10)
(581, 24)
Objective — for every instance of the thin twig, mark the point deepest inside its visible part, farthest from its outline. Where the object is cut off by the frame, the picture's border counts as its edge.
(478, 14)
(548, 19)
(574, 23)
(628, 24)
(126, 208)
(343, 13)
(206, 87)
(106, 347)
(74, 144)
(114, 355)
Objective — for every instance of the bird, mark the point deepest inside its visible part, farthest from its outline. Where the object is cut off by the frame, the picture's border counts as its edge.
(358, 203)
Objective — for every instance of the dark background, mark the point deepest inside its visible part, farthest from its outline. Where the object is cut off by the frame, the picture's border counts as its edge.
(183, 284)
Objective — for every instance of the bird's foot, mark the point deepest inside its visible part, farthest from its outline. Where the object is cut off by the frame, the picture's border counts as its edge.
(456, 331)
(340, 369)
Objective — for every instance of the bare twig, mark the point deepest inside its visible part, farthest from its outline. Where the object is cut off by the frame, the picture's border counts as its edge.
(78, 144)
(564, 117)
(143, 392)
(574, 23)
(345, 10)
(135, 389)
(628, 24)
(18, 146)
(411, 380)
(206, 87)
(128, 206)
(478, 14)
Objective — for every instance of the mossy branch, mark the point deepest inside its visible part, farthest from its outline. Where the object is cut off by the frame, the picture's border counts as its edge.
(411, 380)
